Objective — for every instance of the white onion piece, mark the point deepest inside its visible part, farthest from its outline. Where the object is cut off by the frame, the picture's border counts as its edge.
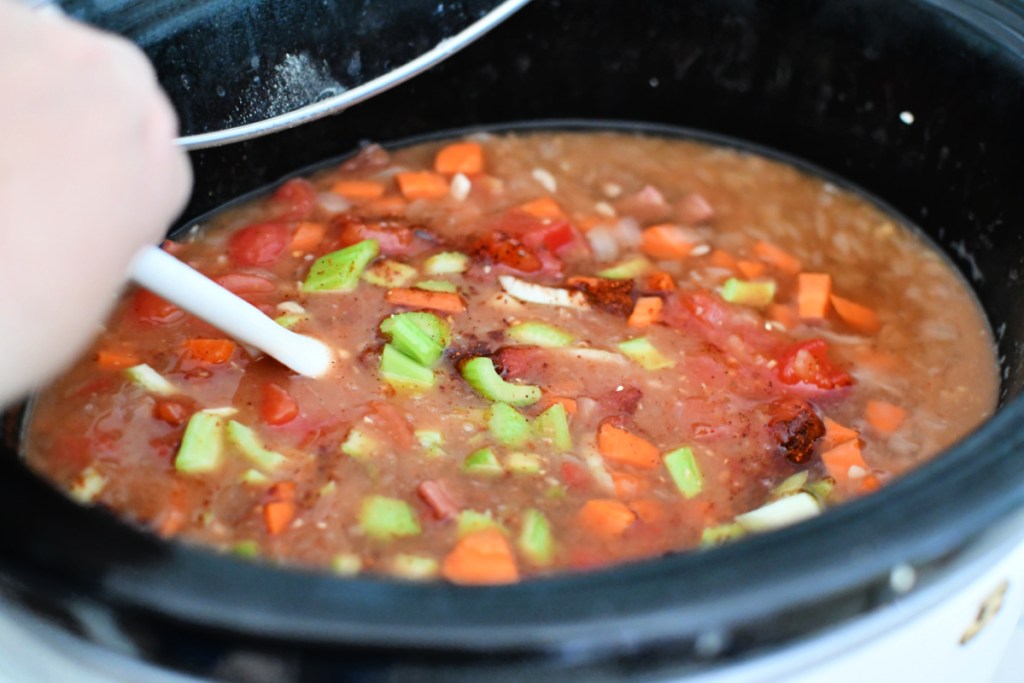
(627, 232)
(332, 202)
(603, 243)
(780, 513)
(539, 294)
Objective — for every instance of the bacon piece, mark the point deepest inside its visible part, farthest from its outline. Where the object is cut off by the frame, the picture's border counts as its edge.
(395, 236)
(437, 497)
(693, 209)
(518, 361)
(620, 402)
(647, 205)
(795, 426)
(613, 296)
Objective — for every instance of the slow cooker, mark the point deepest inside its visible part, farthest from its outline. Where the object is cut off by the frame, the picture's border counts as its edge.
(918, 102)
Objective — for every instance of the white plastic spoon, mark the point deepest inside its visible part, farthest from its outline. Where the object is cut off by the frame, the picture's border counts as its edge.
(187, 288)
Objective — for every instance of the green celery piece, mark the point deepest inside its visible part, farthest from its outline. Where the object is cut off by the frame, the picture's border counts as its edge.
(484, 462)
(413, 567)
(471, 521)
(254, 477)
(820, 489)
(87, 485)
(789, 485)
(384, 519)
(553, 425)
(247, 549)
(419, 335)
(289, 320)
(480, 374)
(150, 380)
(248, 443)
(446, 263)
(524, 463)
(685, 472)
(748, 293)
(339, 271)
(402, 372)
(202, 446)
(359, 445)
(641, 351)
(429, 438)
(437, 286)
(508, 425)
(723, 533)
(539, 334)
(388, 273)
(535, 541)
(627, 270)
(346, 564)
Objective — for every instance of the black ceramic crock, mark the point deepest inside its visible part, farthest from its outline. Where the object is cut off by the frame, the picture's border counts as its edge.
(918, 102)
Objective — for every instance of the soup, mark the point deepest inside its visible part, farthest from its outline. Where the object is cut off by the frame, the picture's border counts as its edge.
(557, 351)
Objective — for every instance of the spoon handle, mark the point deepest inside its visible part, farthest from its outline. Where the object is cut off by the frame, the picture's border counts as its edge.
(166, 276)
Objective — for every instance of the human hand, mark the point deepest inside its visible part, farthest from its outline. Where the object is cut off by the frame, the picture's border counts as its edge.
(89, 172)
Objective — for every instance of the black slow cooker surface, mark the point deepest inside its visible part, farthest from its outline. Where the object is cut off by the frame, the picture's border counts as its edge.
(917, 102)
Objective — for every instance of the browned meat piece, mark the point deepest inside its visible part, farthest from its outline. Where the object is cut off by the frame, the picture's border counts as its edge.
(518, 361)
(613, 296)
(620, 402)
(795, 426)
(647, 205)
(437, 497)
(693, 209)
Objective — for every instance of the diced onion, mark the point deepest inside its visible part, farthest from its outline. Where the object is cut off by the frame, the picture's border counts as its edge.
(332, 202)
(782, 512)
(539, 294)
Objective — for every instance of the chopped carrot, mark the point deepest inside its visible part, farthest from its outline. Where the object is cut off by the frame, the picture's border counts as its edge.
(659, 281)
(646, 311)
(856, 315)
(812, 294)
(278, 515)
(629, 485)
(589, 222)
(448, 302)
(391, 205)
(568, 403)
(460, 157)
(421, 185)
(282, 490)
(605, 517)
(625, 447)
(649, 510)
(174, 513)
(545, 207)
(666, 241)
(307, 236)
(358, 190)
(480, 558)
(784, 314)
(109, 359)
(722, 259)
(839, 459)
(774, 256)
(751, 269)
(211, 350)
(885, 417)
(836, 434)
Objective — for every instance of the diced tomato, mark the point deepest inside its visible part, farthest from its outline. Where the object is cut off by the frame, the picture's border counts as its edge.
(246, 283)
(150, 308)
(277, 407)
(575, 476)
(260, 244)
(552, 236)
(171, 412)
(394, 237)
(807, 362)
(294, 200)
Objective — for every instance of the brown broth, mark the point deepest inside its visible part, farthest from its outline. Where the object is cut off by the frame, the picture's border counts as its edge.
(95, 433)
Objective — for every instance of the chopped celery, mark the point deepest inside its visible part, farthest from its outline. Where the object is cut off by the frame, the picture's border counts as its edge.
(359, 445)
(255, 478)
(87, 485)
(645, 354)
(479, 372)
(535, 541)
(248, 443)
(429, 438)
(413, 567)
(484, 462)
(437, 286)
(471, 521)
(821, 489)
(248, 549)
(419, 335)
(780, 513)
(748, 293)
(346, 564)
(202, 446)
(524, 463)
(683, 468)
(445, 263)
(150, 380)
(626, 270)
(289, 320)
(553, 425)
(328, 489)
(388, 273)
(339, 271)
(723, 533)
(508, 425)
(539, 334)
(790, 485)
(402, 372)
(383, 519)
